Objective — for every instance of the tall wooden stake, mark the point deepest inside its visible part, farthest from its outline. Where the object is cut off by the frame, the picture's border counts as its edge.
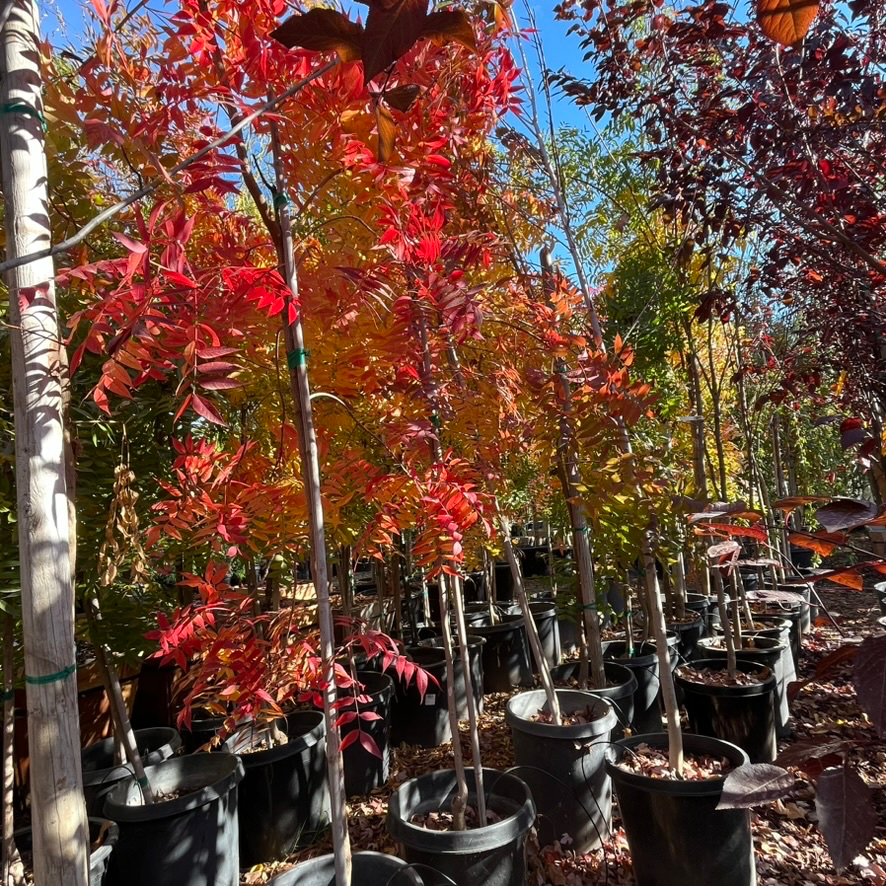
(301, 389)
(59, 813)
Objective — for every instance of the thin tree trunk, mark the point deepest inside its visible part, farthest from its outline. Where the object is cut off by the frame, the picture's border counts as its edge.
(310, 463)
(60, 834)
(122, 727)
(724, 622)
(13, 871)
(544, 671)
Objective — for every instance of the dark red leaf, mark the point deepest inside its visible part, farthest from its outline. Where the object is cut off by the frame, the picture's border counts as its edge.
(322, 30)
(390, 33)
(402, 97)
(870, 680)
(450, 24)
(846, 815)
(369, 744)
(205, 409)
(843, 514)
(753, 784)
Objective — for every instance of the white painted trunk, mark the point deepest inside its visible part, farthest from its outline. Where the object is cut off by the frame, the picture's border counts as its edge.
(59, 813)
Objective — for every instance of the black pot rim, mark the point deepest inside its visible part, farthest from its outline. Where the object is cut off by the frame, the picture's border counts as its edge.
(570, 700)
(719, 664)
(310, 728)
(514, 623)
(381, 694)
(543, 609)
(706, 642)
(165, 737)
(223, 771)
(437, 642)
(638, 661)
(492, 836)
(406, 875)
(678, 626)
(693, 744)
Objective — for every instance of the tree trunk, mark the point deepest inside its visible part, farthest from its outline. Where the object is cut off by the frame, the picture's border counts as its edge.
(59, 813)
(310, 465)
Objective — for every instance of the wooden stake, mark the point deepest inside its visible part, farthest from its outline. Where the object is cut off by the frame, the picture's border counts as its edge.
(60, 834)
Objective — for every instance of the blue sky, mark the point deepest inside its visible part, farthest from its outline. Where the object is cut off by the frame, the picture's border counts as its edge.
(62, 23)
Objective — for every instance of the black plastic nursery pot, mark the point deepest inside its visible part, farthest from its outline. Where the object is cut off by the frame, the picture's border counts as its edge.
(475, 657)
(504, 582)
(701, 604)
(284, 796)
(674, 830)
(742, 715)
(644, 666)
(563, 765)
(190, 840)
(99, 857)
(544, 615)
(364, 771)
(101, 775)
(506, 659)
(803, 594)
(688, 634)
(535, 560)
(802, 557)
(369, 869)
(787, 619)
(880, 591)
(416, 719)
(474, 587)
(494, 855)
(621, 690)
(773, 654)
(203, 729)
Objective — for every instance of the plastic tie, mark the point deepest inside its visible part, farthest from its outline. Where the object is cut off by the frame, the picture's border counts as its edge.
(143, 781)
(57, 677)
(9, 696)
(281, 200)
(298, 357)
(592, 606)
(435, 420)
(23, 108)
(580, 529)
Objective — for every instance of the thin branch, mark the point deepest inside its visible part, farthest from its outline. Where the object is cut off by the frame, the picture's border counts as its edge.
(149, 189)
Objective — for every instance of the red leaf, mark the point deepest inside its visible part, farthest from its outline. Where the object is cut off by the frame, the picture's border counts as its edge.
(180, 279)
(387, 133)
(823, 543)
(729, 529)
(219, 384)
(843, 514)
(369, 744)
(205, 409)
(350, 738)
(130, 244)
(870, 680)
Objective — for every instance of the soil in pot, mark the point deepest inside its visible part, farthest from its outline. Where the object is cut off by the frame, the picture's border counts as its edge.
(284, 796)
(100, 774)
(475, 656)
(742, 713)
(675, 832)
(643, 665)
(103, 836)
(773, 654)
(191, 841)
(620, 689)
(506, 657)
(369, 869)
(418, 719)
(563, 765)
(365, 771)
(544, 615)
(494, 855)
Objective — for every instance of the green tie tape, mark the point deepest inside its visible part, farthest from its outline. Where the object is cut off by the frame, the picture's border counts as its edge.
(23, 108)
(52, 678)
(281, 200)
(298, 357)
(9, 696)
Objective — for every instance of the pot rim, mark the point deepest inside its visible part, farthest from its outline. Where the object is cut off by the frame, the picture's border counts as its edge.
(225, 772)
(691, 743)
(301, 741)
(762, 688)
(492, 836)
(570, 700)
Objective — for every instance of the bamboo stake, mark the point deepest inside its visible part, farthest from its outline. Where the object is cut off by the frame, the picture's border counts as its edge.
(13, 871)
(60, 834)
(310, 462)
